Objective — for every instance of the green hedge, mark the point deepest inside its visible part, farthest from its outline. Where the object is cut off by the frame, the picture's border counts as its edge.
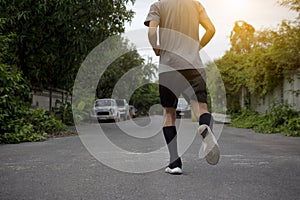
(281, 119)
(32, 125)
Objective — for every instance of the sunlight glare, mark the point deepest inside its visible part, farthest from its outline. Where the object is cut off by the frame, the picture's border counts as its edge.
(236, 5)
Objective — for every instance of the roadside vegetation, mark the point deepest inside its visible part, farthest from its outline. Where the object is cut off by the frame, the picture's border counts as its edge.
(280, 119)
(256, 63)
(19, 122)
(42, 44)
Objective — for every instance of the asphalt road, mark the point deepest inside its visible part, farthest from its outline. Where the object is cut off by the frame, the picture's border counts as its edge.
(252, 166)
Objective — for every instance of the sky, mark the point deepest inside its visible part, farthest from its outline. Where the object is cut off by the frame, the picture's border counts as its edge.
(261, 14)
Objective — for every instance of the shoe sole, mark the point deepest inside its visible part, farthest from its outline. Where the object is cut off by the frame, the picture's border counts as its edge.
(175, 171)
(213, 156)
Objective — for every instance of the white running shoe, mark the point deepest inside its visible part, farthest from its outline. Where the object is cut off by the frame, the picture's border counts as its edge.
(174, 171)
(210, 145)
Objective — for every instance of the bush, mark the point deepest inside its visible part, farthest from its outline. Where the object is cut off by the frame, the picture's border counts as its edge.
(64, 112)
(281, 119)
(32, 125)
(43, 121)
(18, 122)
(245, 119)
(292, 127)
(277, 119)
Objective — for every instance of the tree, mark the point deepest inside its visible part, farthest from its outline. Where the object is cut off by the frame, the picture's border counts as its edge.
(113, 69)
(258, 60)
(18, 122)
(241, 37)
(291, 4)
(148, 94)
(53, 37)
(145, 97)
(129, 71)
(116, 70)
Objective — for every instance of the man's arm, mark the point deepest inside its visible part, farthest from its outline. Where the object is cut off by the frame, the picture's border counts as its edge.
(210, 31)
(152, 36)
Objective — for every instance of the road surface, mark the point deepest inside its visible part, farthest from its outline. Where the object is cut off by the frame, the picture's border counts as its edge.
(252, 166)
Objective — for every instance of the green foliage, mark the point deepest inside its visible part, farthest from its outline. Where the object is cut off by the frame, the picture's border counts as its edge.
(30, 125)
(292, 127)
(245, 119)
(281, 118)
(258, 60)
(53, 37)
(25, 134)
(18, 123)
(45, 42)
(241, 37)
(263, 67)
(64, 112)
(274, 121)
(43, 121)
(141, 72)
(14, 91)
(117, 69)
(291, 4)
(127, 71)
(81, 112)
(145, 97)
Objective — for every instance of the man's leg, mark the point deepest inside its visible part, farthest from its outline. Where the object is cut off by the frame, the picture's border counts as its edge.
(169, 117)
(201, 112)
(199, 108)
(168, 97)
(170, 134)
(211, 147)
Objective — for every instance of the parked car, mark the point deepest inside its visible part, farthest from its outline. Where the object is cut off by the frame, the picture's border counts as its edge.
(183, 109)
(123, 109)
(132, 111)
(106, 109)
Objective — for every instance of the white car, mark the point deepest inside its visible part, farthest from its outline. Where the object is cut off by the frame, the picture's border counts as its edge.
(183, 109)
(123, 108)
(106, 109)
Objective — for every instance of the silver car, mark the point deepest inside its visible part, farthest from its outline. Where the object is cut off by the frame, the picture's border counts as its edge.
(123, 109)
(183, 109)
(106, 109)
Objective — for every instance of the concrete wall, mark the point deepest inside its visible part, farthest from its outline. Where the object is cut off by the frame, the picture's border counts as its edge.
(292, 89)
(287, 92)
(41, 99)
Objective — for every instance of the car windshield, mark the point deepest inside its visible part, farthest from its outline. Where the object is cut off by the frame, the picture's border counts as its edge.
(104, 102)
(120, 102)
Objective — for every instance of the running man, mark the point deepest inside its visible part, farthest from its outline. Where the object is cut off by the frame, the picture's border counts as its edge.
(181, 71)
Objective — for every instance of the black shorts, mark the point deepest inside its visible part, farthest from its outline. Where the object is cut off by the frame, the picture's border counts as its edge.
(190, 83)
